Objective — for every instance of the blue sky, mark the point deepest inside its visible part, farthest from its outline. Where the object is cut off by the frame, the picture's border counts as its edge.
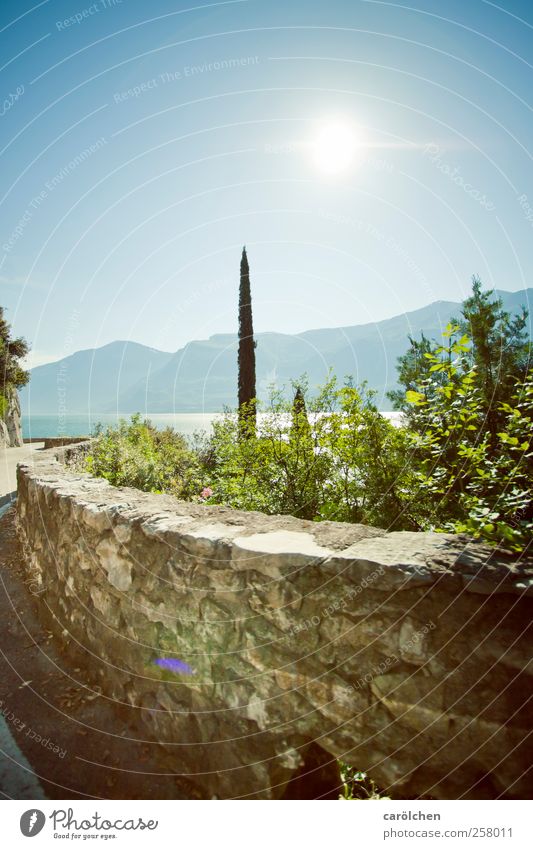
(143, 144)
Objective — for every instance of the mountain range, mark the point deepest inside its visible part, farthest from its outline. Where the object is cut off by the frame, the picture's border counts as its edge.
(202, 376)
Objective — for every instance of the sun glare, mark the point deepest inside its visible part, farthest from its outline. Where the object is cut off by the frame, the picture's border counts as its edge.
(335, 147)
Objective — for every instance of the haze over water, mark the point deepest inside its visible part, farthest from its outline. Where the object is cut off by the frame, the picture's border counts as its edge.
(34, 427)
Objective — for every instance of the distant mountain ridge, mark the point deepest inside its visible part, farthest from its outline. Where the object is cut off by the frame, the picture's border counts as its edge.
(202, 376)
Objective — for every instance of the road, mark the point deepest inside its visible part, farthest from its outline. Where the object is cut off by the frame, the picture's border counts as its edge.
(17, 779)
(9, 457)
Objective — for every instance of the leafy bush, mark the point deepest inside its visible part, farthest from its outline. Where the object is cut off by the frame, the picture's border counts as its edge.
(462, 461)
(334, 457)
(470, 478)
(136, 454)
(468, 406)
(358, 785)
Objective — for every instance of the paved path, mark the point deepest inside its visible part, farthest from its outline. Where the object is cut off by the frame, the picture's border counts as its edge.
(17, 780)
(9, 457)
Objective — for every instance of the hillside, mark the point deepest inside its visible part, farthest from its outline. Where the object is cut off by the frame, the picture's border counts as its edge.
(202, 376)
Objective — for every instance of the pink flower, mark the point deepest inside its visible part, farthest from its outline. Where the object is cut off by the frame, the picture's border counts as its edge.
(207, 492)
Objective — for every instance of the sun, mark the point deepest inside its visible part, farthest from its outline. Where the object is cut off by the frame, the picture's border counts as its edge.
(335, 147)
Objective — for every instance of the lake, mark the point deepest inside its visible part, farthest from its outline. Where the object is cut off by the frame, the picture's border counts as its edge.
(36, 427)
(83, 425)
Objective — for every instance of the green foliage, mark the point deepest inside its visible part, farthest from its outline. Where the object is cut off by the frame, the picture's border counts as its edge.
(11, 372)
(499, 501)
(462, 461)
(470, 477)
(274, 471)
(370, 478)
(496, 349)
(500, 350)
(136, 454)
(413, 368)
(329, 457)
(357, 785)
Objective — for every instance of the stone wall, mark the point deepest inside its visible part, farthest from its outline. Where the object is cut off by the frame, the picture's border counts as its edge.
(55, 441)
(299, 643)
(61, 441)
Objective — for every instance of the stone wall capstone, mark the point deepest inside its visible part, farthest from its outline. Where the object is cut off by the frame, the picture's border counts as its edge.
(294, 643)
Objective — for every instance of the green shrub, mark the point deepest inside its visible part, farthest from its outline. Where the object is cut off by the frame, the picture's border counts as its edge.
(468, 407)
(136, 454)
(462, 461)
(470, 478)
(336, 458)
(358, 785)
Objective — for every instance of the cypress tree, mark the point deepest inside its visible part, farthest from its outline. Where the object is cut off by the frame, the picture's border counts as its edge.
(299, 419)
(247, 411)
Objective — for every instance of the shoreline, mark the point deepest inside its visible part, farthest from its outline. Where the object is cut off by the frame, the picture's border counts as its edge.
(51, 425)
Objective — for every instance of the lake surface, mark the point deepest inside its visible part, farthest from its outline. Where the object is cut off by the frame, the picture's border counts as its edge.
(83, 425)
(36, 427)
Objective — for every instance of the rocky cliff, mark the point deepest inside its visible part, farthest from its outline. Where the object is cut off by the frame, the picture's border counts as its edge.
(10, 423)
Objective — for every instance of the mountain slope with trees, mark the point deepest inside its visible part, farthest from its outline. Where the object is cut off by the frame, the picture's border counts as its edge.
(202, 376)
